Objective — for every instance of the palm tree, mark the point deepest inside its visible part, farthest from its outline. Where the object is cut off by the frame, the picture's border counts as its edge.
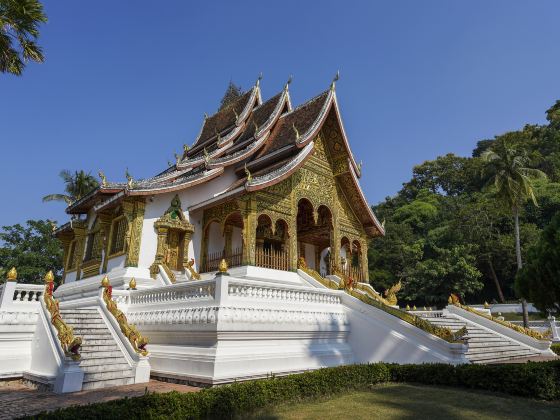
(77, 186)
(512, 179)
(19, 29)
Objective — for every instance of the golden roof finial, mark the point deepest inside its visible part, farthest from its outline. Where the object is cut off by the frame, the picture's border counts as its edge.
(288, 82)
(222, 267)
(486, 305)
(105, 282)
(296, 131)
(248, 173)
(12, 274)
(132, 284)
(177, 158)
(258, 82)
(218, 137)
(256, 127)
(129, 179)
(205, 116)
(185, 148)
(335, 79)
(103, 178)
(49, 277)
(206, 157)
(235, 112)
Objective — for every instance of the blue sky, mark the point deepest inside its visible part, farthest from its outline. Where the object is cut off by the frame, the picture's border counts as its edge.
(126, 83)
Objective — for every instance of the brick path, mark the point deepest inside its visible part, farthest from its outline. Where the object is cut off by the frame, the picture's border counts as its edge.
(17, 399)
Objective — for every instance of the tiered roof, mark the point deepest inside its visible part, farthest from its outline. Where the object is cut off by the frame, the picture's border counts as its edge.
(270, 140)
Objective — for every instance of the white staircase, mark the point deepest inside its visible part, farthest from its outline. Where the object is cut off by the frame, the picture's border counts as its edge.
(102, 360)
(485, 346)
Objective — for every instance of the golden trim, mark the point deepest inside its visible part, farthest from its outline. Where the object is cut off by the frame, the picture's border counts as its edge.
(130, 331)
(69, 343)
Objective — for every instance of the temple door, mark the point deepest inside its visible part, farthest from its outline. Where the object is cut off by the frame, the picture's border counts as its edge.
(174, 250)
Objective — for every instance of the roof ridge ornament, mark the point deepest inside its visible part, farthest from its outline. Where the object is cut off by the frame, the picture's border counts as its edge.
(205, 116)
(177, 158)
(218, 137)
(235, 112)
(206, 158)
(248, 173)
(103, 178)
(296, 131)
(258, 82)
(288, 82)
(185, 148)
(256, 128)
(335, 79)
(129, 179)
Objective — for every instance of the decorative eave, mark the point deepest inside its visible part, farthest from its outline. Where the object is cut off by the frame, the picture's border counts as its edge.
(254, 98)
(281, 173)
(346, 143)
(369, 212)
(240, 154)
(314, 129)
(82, 205)
(178, 184)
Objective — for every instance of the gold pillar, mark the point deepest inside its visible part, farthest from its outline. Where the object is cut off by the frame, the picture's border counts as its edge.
(364, 265)
(228, 233)
(293, 244)
(134, 212)
(160, 250)
(249, 214)
(80, 230)
(186, 243)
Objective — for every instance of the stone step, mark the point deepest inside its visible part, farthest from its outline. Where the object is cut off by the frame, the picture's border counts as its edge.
(99, 342)
(95, 348)
(81, 318)
(508, 347)
(504, 357)
(101, 335)
(106, 361)
(108, 374)
(99, 354)
(488, 343)
(119, 367)
(502, 354)
(79, 311)
(107, 383)
(88, 326)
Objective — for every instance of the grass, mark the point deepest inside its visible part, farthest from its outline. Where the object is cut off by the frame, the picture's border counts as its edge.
(533, 316)
(405, 401)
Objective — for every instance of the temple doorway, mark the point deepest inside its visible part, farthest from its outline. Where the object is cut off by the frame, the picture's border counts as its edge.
(314, 236)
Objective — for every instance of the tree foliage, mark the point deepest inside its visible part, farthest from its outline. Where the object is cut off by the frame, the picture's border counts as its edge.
(77, 185)
(32, 249)
(539, 279)
(19, 30)
(447, 229)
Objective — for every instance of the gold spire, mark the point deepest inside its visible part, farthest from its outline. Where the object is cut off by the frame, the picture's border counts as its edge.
(105, 282)
(103, 178)
(288, 82)
(222, 268)
(49, 277)
(248, 173)
(129, 179)
(258, 82)
(132, 284)
(335, 79)
(296, 131)
(185, 148)
(12, 274)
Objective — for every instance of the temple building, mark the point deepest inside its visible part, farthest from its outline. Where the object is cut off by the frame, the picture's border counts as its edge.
(263, 184)
(246, 257)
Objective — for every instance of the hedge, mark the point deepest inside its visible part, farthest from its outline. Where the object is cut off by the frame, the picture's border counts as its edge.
(535, 380)
(555, 348)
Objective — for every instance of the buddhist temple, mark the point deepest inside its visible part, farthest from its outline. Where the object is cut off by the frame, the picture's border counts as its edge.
(245, 257)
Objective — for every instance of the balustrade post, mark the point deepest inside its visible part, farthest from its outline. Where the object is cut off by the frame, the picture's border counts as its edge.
(554, 329)
(221, 292)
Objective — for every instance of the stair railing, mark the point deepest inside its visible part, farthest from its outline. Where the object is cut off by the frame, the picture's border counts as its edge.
(70, 344)
(137, 341)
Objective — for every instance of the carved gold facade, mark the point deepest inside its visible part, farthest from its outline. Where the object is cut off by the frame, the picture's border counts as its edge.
(174, 234)
(319, 182)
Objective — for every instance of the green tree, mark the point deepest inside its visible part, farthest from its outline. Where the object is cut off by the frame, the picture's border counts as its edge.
(507, 169)
(539, 279)
(233, 92)
(19, 30)
(77, 185)
(32, 249)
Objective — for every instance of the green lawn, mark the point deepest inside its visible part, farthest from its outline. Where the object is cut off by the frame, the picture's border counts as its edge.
(403, 401)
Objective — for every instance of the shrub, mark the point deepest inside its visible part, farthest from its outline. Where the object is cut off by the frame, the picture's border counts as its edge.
(555, 348)
(536, 380)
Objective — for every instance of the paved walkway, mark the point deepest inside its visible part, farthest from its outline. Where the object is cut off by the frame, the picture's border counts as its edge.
(17, 399)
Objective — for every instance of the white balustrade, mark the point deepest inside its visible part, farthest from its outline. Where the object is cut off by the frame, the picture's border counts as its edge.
(183, 292)
(252, 291)
(28, 293)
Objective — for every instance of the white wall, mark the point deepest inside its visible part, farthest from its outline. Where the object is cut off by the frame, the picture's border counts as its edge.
(158, 204)
(310, 255)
